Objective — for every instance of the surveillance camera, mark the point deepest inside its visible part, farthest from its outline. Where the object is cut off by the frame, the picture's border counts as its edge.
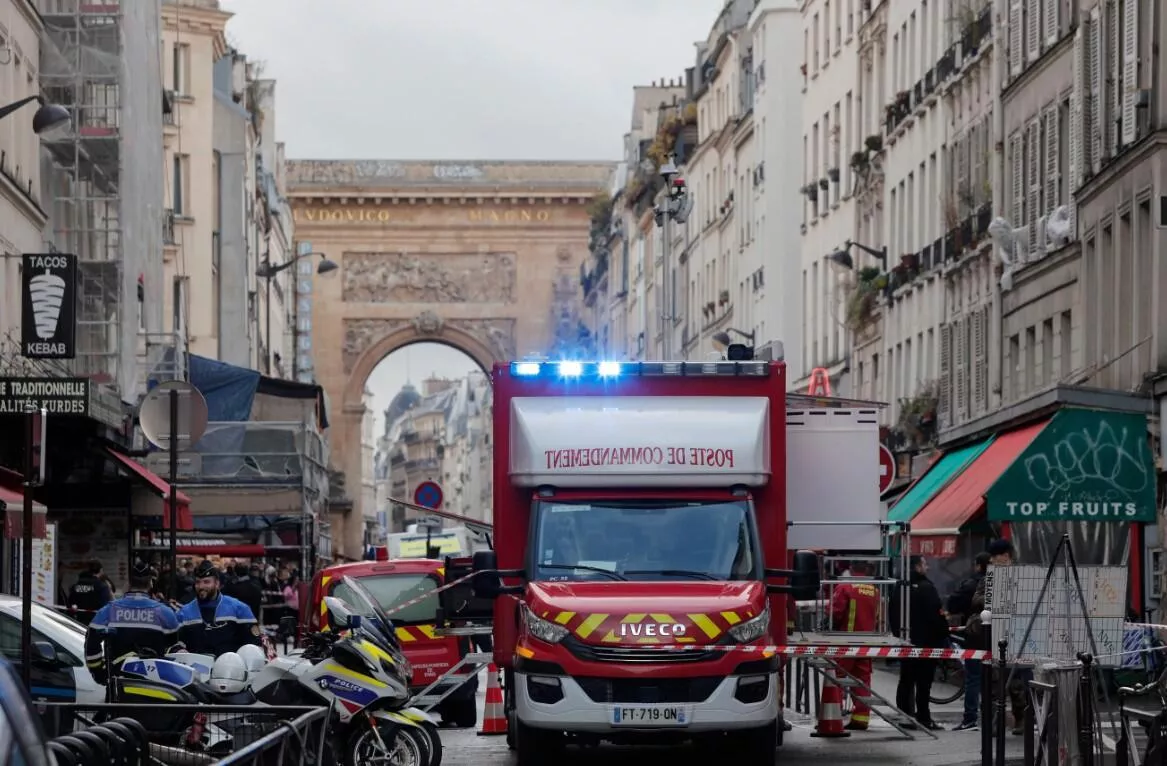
(658, 216)
(683, 211)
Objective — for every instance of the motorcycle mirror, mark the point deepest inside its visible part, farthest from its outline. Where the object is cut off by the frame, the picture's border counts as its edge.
(354, 622)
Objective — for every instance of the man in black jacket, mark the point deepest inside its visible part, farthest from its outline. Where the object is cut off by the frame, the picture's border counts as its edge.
(246, 590)
(927, 627)
(90, 593)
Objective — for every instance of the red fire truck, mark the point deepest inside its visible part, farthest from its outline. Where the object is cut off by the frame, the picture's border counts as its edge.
(636, 508)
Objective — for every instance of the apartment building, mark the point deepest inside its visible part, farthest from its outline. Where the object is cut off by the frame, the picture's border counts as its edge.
(228, 223)
(831, 133)
(23, 218)
(771, 264)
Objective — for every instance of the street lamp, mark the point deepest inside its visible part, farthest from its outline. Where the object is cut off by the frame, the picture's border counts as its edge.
(842, 260)
(47, 118)
(268, 271)
(678, 205)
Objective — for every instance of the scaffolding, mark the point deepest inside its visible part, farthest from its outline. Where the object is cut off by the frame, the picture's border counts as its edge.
(81, 61)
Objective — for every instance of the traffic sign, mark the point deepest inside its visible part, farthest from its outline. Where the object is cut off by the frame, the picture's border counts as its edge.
(887, 469)
(428, 495)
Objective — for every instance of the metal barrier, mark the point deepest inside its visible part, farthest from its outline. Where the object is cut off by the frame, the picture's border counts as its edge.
(199, 735)
(120, 742)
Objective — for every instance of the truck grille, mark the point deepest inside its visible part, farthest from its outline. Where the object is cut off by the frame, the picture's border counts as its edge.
(655, 690)
(592, 653)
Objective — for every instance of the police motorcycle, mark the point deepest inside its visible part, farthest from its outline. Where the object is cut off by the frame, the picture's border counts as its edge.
(358, 668)
(183, 678)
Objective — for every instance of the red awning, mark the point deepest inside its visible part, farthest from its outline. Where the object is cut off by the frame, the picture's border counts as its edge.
(964, 496)
(934, 546)
(155, 482)
(13, 501)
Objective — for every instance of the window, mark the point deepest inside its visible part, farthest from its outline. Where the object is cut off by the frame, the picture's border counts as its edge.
(180, 68)
(10, 637)
(391, 590)
(178, 184)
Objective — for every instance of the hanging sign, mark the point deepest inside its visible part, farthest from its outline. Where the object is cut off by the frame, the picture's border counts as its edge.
(48, 327)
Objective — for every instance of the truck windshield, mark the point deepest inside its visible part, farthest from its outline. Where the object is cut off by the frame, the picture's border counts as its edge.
(645, 540)
(394, 589)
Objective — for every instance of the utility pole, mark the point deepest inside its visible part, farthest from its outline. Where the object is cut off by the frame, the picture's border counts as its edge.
(678, 205)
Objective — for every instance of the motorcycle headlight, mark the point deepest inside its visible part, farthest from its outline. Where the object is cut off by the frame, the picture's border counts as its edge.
(544, 630)
(752, 629)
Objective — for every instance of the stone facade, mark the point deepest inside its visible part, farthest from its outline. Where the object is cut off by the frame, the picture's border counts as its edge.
(461, 253)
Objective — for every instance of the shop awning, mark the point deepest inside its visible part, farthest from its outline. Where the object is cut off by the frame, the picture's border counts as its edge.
(160, 486)
(964, 496)
(934, 479)
(12, 502)
(1085, 465)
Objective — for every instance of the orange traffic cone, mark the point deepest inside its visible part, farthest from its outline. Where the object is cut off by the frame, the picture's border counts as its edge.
(494, 719)
(830, 719)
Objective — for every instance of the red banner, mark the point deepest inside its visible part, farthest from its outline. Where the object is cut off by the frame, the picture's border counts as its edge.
(934, 546)
(14, 524)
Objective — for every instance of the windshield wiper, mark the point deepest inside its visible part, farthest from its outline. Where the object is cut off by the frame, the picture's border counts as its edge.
(674, 573)
(585, 567)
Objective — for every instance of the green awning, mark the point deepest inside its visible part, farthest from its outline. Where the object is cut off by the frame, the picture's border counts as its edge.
(1085, 465)
(936, 479)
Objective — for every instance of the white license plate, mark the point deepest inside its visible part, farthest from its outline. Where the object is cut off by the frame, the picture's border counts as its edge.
(645, 715)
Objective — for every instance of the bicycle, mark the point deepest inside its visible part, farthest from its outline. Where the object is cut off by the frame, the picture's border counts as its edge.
(1155, 725)
(948, 683)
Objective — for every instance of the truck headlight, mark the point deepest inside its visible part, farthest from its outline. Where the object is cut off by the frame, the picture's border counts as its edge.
(753, 629)
(544, 630)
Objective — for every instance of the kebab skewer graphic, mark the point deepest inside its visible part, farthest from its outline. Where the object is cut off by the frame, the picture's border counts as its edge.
(47, 294)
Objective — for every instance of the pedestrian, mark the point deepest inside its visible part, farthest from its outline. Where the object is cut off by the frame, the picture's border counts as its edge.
(89, 594)
(245, 589)
(927, 628)
(1001, 554)
(960, 605)
(855, 609)
(133, 625)
(215, 623)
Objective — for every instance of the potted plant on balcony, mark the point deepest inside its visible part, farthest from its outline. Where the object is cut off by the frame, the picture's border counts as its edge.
(917, 420)
(802, 68)
(904, 101)
(860, 161)
(864, 299)
(833, 175)
(811, 191)
(910, 261)
(873, 143)
(723, 298)
(824, 184)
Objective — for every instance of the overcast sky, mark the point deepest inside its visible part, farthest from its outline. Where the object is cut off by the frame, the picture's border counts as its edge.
(464, 79)
(461, 80)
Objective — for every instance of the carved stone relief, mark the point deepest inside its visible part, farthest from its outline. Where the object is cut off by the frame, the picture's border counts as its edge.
(496, 334)
(360, 334)
(429, 278)
(427, 323)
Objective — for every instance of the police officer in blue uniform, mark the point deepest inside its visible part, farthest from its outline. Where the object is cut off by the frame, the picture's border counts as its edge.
(134, 624)
(215, 623)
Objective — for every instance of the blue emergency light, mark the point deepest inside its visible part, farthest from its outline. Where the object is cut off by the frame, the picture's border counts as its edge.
(571, 370)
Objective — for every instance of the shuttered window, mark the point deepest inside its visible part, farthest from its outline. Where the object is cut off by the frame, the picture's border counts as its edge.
(1053, 150)
(1094, 77)
(1130, 71)
(944, 406)
(1051, 21)
(1016, 37)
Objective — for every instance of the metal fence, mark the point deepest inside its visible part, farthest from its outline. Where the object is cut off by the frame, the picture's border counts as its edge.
(200, 735)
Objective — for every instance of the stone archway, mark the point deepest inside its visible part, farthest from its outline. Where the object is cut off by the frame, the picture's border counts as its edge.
(482, 257)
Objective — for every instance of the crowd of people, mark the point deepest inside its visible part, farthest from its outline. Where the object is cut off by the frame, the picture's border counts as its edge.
(200, 609)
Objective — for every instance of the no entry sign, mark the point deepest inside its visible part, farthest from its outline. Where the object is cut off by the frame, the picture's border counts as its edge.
(428, 495)
(887, 469)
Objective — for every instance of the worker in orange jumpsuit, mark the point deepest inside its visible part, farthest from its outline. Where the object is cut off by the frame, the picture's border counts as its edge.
(855, 608)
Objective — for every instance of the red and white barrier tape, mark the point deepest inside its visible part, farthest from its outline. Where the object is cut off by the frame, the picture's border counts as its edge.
(841, 652)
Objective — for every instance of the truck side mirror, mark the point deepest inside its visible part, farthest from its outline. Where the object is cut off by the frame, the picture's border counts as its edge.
(488, 578)
(806, 579)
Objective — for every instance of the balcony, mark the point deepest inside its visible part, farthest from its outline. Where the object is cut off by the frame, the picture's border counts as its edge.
(897, 111)
(422, 464)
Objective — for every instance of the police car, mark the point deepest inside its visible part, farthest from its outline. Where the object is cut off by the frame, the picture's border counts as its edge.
(22, 741)
(64, 679)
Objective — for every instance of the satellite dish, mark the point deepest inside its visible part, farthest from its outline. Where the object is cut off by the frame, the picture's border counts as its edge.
(154, 415)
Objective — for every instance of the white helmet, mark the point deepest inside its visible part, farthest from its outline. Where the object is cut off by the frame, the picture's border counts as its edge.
(253, 657)
(229, 674)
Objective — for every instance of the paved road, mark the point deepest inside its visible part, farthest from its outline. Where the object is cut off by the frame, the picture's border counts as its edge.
(881, 746)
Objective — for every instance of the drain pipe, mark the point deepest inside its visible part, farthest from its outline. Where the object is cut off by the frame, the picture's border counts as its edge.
(996, 342)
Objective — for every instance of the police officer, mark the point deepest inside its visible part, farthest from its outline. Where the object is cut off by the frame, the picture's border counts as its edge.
(215, 623)
(89, 593)
(134, 624)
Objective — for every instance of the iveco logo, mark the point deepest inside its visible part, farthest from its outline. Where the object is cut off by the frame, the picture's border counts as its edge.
(651, 629)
